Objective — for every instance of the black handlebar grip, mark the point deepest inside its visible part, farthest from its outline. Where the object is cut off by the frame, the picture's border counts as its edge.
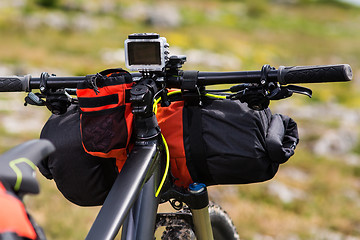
(15, 84)
(315, 74)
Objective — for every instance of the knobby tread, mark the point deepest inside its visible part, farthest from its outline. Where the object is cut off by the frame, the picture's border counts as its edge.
(178, 228)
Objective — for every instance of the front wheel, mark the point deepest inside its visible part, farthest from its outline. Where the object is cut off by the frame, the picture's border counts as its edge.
(179, 226)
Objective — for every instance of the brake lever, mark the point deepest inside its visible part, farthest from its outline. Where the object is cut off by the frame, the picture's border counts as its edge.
(259, 98)
(34, 99)
(300, 90)
(287, 91)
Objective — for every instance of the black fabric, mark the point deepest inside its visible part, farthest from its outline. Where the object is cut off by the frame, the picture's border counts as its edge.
(83, 179)
(282, 138)
(241, 145)
(108, 77)
(198, 151)
(105, 130)
(115, 72)
(99, 101)
(127, 95)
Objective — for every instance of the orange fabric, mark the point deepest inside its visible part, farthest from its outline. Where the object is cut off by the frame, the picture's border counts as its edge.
(122, 155)
(119, 154)
(129, 120)
(13, 216)
(170, 120)
(105, 91)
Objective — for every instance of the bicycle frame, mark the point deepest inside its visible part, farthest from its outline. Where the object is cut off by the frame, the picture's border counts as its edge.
(131, 202)
(123, 194)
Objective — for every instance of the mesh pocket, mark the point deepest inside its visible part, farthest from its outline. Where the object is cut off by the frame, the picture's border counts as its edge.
(105, 130)
(106, 116)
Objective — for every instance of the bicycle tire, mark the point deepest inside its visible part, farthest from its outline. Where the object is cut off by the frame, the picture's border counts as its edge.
(221, 223)
(180, 228)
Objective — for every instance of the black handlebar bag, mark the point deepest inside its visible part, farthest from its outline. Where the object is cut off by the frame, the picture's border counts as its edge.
(225, 142)
(83, 179)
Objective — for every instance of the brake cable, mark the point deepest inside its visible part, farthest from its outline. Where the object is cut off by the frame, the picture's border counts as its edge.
(215, 96)
(155, 108)
(166, 167)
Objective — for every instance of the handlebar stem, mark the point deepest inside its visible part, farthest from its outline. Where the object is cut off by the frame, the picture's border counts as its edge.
(141, 98)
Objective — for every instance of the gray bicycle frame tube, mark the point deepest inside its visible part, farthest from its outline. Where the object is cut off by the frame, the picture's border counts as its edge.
(141, 220)
(124, 192)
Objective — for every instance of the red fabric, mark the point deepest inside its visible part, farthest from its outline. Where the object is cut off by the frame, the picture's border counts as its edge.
(171, 123)
(121, 153)
(13, 216)
(104, 91)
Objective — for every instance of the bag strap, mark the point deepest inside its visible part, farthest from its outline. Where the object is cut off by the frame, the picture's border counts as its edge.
(114, 72)
(110, 71)
(196, 159)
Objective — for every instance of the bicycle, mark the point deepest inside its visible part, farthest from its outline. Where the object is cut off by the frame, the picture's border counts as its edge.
(143, 182)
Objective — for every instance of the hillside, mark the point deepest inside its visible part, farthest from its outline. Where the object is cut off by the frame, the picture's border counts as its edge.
(316, 195)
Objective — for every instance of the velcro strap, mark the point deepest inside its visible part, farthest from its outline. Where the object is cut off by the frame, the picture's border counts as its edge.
(196, 162)
(189, 80)
(92, 102)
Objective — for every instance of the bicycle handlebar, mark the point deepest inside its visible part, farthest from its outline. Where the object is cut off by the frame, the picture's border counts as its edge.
(284, 75)
(312, 74)
(15, 84)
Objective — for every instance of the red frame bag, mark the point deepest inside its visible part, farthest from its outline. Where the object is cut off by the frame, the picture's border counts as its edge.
(106, 118)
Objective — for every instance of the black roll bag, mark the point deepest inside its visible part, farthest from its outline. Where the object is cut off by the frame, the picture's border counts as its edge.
(83, 179)
(225, 142)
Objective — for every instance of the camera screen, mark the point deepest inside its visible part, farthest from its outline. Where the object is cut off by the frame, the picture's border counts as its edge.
(144, 53)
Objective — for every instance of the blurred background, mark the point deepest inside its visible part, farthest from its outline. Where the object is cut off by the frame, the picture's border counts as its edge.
(316, 195)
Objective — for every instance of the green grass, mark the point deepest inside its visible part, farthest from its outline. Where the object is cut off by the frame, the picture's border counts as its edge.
(59, 218)
(328, 203)
(256, 32)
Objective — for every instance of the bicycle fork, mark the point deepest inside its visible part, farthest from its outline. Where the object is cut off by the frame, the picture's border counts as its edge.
(196, 198)
(200, 211)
